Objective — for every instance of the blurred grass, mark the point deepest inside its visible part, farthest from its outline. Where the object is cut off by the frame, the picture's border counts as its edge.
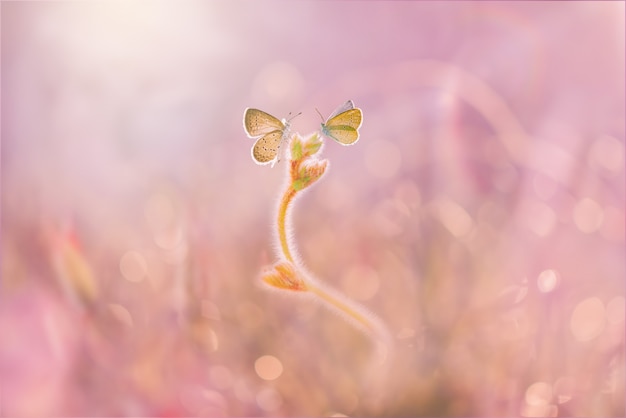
(480, 216)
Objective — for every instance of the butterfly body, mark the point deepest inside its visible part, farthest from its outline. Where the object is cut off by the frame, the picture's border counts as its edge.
(270, 132)
(343, 124)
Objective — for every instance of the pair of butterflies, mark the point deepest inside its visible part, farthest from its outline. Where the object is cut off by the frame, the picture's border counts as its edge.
(342, 126)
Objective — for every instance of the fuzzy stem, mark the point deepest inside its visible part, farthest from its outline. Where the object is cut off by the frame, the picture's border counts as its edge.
(341, 306)
(302, 171)
(282, 222)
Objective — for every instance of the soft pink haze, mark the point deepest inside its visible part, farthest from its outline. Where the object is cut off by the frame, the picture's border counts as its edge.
(479, 218)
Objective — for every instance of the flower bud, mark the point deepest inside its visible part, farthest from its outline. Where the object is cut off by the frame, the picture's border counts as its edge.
(284, 276)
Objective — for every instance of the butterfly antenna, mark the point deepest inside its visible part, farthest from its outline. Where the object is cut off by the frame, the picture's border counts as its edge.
(318, 112)
(292, 116)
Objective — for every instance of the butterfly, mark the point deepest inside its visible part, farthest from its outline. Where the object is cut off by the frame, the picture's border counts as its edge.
(343, 124)
(272, 133)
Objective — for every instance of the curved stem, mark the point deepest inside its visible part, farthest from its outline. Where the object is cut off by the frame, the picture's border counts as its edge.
(350, 310)
(291, 275)
(282, 222)
(342, 306)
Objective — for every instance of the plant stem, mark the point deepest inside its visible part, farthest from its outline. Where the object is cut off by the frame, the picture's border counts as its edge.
(303, 170)
(282, 222)
(334, 301)
(342, 306)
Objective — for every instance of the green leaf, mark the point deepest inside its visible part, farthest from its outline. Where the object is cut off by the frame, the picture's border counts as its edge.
(300, 184)
(313, 148)
(296, 150)
(313, 144)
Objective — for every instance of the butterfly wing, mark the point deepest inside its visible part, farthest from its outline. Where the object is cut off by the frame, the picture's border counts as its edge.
(265, 149)
(344, 107)
(345, 135)
(343, 127)
(256, 122)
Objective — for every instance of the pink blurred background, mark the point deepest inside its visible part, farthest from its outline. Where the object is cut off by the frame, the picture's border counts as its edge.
(480, 216)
